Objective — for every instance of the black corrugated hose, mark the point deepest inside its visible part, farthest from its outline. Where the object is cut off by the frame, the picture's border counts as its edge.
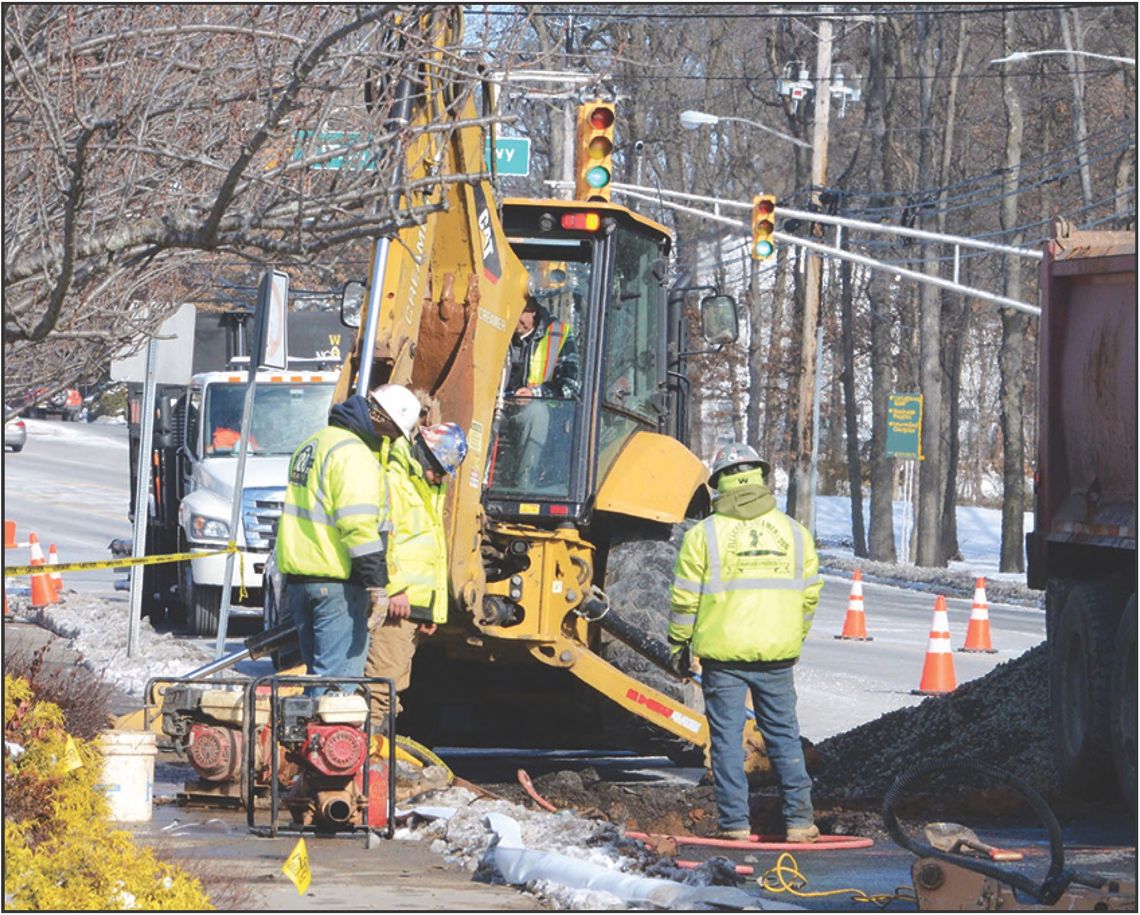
(1056, 880)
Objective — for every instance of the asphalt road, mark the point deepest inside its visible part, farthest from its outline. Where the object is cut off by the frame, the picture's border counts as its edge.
(842, 684)
(70, 486)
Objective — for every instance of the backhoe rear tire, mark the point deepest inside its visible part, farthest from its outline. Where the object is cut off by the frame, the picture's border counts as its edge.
(1122, 726)
(1079, 666)
(639, 573)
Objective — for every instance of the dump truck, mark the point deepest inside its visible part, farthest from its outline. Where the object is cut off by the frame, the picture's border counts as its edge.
(194, 456)
(1082, 550)
(560, 552)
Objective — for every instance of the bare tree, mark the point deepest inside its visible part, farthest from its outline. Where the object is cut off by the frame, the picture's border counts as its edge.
(148, 148)
(1012, 341)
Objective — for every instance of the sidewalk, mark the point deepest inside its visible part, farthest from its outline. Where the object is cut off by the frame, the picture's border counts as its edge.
(396, 875)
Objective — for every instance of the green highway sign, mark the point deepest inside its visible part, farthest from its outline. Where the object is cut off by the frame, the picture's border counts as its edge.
(328, 141)
(512, 155)
(904, 425)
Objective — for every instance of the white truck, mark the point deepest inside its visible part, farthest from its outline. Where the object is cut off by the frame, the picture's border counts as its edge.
(194, 460)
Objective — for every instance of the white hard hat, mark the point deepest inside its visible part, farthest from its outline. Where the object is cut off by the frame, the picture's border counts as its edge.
(401, 405)
(735, 455)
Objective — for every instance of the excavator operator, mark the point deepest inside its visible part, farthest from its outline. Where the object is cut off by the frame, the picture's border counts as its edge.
(542, 364)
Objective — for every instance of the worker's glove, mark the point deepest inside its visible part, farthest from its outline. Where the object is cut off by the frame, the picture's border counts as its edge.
(377, 606)
(680, 660)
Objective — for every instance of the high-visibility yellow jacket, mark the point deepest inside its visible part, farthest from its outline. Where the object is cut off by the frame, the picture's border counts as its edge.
(335, 507)
(547, 349)
(745, 590)
(417, 549)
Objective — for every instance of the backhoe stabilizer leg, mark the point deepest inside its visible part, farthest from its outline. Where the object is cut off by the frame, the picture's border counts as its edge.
(632, 695)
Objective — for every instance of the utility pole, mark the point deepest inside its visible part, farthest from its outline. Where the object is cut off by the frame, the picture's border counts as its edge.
(803, 508)
(569, 117)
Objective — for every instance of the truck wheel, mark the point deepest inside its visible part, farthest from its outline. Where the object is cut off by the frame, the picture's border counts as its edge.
(639, 572)
(204, 607)
(1123, 705)
(1079, 665)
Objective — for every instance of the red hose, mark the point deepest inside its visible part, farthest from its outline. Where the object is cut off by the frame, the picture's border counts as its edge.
(766, 843)
(742, 870)
(528, 786)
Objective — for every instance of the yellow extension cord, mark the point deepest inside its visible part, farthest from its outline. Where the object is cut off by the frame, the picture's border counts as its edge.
(785, 877)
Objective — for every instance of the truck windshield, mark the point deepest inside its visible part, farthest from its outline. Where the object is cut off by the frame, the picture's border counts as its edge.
(284, 415)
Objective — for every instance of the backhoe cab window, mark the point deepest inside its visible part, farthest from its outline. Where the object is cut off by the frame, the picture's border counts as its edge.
(632, 357)
(542, 380)
(283, 416)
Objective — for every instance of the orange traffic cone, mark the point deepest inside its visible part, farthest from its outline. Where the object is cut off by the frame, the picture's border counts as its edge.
(42, 591)
(10, 535)
(855, 623)
(938, 670)
(978, 632)
(56, 578)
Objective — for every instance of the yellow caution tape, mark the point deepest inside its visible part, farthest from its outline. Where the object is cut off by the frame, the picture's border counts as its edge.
(123, 563)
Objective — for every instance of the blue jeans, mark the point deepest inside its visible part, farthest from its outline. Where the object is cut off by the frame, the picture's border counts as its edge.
(774, 701)
(332, 628)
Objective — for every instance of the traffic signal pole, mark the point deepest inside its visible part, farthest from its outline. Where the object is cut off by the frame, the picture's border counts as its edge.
(670, 200)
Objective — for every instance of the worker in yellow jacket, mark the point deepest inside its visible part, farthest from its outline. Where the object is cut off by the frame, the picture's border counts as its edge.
(745, 588)
(416, 475)
(331, 535)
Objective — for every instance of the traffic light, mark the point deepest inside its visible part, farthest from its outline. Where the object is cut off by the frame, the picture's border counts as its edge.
(595, 169)
(763, 226)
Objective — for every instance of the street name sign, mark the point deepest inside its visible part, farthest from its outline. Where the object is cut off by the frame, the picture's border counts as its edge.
(512, 155)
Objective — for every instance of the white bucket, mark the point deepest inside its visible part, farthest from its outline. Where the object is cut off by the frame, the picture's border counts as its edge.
(128, 774)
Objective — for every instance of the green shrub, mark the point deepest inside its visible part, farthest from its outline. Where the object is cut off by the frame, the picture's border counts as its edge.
(60, 851)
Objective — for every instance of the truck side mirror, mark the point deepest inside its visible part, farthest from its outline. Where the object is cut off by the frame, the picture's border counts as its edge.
(719, 320)
(351, 303)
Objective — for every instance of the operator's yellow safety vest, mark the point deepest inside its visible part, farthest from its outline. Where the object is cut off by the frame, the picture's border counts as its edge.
(745, 590)
(335, 506)
(417, 550)
(544, 357)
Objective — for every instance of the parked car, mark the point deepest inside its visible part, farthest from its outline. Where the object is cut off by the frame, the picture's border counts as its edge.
(15, 430)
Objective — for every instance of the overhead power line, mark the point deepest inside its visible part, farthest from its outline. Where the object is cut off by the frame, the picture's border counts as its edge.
(618, 14)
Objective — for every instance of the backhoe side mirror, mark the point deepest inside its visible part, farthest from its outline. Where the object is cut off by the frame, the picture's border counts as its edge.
(719, 324)
(351, 303)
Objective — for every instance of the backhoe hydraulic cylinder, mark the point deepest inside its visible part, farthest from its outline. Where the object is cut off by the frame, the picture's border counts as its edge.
(644, 644)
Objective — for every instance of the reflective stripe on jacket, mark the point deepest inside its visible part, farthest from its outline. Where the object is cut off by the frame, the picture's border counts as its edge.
(417, 550)
(544, 356)
(334, 506)
(745, 590)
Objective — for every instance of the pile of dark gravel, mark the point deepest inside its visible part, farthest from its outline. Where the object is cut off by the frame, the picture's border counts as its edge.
(1001, 719)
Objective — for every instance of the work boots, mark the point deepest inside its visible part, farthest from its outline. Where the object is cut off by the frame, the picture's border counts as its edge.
(803, 835)
(743, 834)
